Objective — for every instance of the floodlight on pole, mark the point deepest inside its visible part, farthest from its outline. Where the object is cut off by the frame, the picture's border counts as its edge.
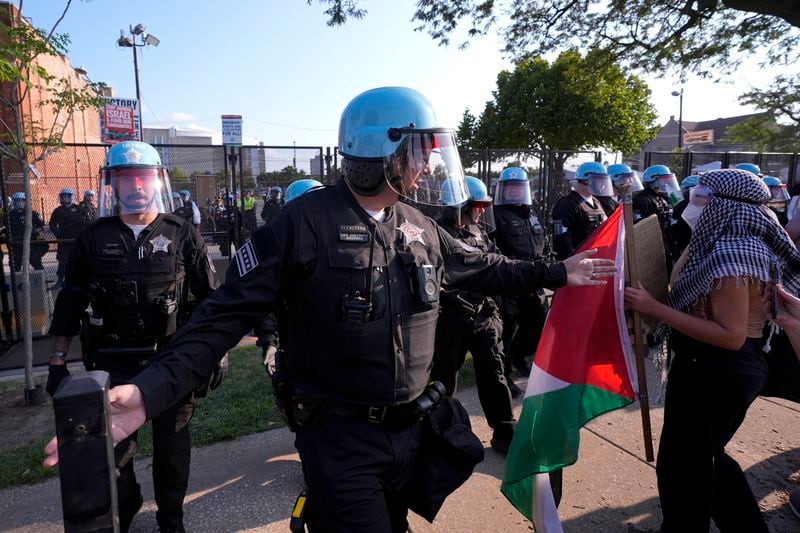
(130, 41)
(679, 94)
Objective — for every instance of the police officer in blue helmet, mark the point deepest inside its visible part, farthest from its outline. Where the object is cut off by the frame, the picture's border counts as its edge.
(780, 198)
(88, 205)
(661, 192)
(624, 178)
(520, 235)
(138, 264)
(360, 274)
(192, 211)
(578, 214)
(470, 321)
(66, 221)
(16, 230)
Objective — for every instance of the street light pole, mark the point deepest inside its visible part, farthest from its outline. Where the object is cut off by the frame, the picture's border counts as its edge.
(130, 41)
(679, 94)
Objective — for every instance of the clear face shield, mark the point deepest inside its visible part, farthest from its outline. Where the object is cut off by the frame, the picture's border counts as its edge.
(780, 197)
(480, 214)
(132, 190)
(513, 192)
(421, 162)
(599, 184)
(627, 183)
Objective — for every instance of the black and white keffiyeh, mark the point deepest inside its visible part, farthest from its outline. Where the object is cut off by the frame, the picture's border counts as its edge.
(736, 235)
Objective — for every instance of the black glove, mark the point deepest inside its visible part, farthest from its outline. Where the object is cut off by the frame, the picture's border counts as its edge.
(55, 374)
(269, 359)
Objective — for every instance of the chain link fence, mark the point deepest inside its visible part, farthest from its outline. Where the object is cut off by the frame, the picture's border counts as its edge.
(221, 179)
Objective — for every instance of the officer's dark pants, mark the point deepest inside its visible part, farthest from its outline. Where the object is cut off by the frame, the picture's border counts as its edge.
(482, 336)
(171, 458)
(708, 393)
(37, 252)
(356, 472)
(523, 321)
(62, 255)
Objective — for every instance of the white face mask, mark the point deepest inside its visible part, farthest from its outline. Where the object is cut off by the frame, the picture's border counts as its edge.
(691, 214)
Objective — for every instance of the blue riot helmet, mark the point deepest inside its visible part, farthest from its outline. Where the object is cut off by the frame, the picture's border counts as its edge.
(595, 176)
(513, 187)
(688, 182)
(778, 191)
(479, 205)
(88, 193)
(624, 178)
(134, 181)
(275, 193)
(18, 200)
(661, 179)
(66, 196)
(390, 136)
(185, 194)
(300, 187)
(750, 167)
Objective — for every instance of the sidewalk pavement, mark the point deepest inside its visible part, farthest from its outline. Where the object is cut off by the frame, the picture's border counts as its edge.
(249, 484)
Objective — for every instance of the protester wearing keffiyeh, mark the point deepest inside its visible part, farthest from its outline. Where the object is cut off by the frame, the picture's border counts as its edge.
(736, 236)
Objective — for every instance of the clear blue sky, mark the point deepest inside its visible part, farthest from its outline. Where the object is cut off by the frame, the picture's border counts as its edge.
(276, 63)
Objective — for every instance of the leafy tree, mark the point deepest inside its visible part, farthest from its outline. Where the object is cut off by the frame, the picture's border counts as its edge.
(465, 138)
(574, 103)
(26, 140)
(708, 37)
(781, 99)
(763, 134)
(178, 175)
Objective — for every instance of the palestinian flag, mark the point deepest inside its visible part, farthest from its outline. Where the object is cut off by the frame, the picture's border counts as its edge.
(584, 367)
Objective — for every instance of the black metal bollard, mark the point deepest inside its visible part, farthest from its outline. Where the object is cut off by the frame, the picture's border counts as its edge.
(86, 453)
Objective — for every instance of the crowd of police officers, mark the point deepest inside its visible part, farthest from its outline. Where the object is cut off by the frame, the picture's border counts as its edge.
(368, 300)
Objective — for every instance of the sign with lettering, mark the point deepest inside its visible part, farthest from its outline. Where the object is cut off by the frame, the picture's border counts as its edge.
(120, 120)
(232, 130)
(698, 137)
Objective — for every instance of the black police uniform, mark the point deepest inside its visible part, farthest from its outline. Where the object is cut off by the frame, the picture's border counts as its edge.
(608, 203)
(680, 232)
(270, 210)
(574, 219)
(184, 212)
(136, 289)
(16, 227)
(520, 235)
(66, 222)
(356, 366)
(470, 322)
(649, 202)
(89, 211)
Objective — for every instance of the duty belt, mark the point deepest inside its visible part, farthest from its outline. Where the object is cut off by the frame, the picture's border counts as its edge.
(400, 414)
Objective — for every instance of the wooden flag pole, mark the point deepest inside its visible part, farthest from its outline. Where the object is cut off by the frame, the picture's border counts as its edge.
(638, 344)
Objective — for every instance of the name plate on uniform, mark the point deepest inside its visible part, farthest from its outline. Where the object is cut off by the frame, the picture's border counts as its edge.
(352, 232)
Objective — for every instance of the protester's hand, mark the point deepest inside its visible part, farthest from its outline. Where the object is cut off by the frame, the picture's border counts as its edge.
(127, 415)
(584, 271)
(55, 375)
(640, 300)
(788, 308)
(269, 359)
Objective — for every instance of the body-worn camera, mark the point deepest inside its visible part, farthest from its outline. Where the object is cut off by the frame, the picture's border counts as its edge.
(425, 284)
(355, 308)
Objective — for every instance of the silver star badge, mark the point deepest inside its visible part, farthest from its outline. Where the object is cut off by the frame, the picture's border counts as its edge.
(160, 244)
(411, 233)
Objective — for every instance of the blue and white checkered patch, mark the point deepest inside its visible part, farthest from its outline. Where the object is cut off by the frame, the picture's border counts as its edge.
(246, 258)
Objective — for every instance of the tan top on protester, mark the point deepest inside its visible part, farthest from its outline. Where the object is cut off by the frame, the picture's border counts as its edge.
(755, 314)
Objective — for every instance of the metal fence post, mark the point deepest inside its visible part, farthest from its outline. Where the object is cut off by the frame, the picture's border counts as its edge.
(5, 312)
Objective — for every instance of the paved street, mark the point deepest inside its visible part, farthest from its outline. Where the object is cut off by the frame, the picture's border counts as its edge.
(250, 484)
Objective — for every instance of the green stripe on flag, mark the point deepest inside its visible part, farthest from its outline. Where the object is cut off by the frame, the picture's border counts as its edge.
(548, 435)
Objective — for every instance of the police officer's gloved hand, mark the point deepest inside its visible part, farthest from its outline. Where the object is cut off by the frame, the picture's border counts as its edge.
(269, 359)
(55, 374)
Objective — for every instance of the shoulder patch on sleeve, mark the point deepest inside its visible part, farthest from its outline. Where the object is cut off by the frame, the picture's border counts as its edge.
(246, 258)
